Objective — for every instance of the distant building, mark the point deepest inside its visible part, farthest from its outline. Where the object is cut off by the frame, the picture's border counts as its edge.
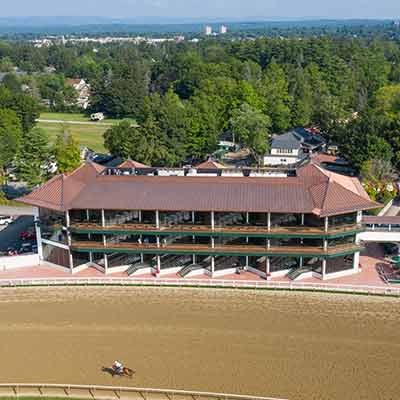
(293, 146)
(83, 90)
(208, 30)
(223, 29)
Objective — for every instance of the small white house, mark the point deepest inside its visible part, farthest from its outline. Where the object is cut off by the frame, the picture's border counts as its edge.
(285, 149)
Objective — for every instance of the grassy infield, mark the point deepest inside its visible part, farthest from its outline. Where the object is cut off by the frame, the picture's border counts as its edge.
(87, 135)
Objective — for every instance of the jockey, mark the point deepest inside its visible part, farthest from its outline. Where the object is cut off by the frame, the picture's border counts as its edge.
(117, 367)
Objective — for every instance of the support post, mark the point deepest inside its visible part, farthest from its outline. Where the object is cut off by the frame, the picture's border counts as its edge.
(67, 222)
(103, 218)
(268, 267)
(325, 245)
(323, 268)
(302, 219)
(90, 257)
(140, 215)
(157, 219)
(247, 218)
(212, 266)
(38, 231)
(105, 263)
(212, 220)
(269, 221)
(158, 264)
(193, 218)
(87, 215)
(194, 259)
(326, 224)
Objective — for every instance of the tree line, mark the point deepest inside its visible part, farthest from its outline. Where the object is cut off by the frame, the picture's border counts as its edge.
(185, 96)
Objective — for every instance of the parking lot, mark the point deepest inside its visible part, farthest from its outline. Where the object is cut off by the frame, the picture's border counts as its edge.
(10, 235)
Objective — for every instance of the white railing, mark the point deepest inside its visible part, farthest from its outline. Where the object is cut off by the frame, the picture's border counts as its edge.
(192, 282)
(113, 392)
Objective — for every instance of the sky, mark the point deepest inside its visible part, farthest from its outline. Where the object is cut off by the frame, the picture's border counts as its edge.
(204, 8)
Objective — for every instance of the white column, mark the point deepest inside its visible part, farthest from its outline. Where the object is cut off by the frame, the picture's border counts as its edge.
(302, 219)
(359, 217)
(356, 262)
(67, 222)
(212, 220)
(323, 268)
(71, 261)
(193, 218)
(212, 266)
(38, 232)
(194, 259)
(325, 245)
(269, 221)
(103, 219)
(158, 263)
(212, 242)
(301, 261)
(247, 218)
(87, 215)
(268, 244)
(268, 267)
(91, 257)
(157, 219)
(326, 224)
(104, 240)
(140, 215)
(105, 263)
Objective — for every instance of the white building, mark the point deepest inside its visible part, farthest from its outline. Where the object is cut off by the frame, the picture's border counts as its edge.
(223, 29)
(208, 30)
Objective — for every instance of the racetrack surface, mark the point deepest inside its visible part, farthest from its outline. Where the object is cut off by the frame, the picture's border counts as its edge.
(290, 345)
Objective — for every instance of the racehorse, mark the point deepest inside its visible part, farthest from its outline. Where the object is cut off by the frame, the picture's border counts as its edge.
(125, 372)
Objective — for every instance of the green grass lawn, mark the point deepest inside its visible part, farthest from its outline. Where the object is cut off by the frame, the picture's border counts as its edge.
(90, 136)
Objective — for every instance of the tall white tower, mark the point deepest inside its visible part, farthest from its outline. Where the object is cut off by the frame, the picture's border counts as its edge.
(208, 30)
(223, 29)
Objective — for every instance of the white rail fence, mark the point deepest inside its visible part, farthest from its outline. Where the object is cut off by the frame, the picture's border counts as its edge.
(113, 392)
(217, 283)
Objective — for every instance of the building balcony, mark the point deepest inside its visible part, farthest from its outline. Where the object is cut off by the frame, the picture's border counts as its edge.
(224, 250)
(206, 230)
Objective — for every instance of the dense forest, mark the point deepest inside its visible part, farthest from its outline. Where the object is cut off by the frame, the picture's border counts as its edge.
(185, 96)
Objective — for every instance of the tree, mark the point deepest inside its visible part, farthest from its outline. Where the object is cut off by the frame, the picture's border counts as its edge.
(121, 92)
(251, 127)
(66, 151)
(387, 101)
(33, 157)
(118, 140)
(144, 143)
(378, 171)
(10, 138)
(277, 102)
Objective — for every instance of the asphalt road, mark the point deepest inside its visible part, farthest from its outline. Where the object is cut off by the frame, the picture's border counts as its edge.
(10, 236)
(59, 121)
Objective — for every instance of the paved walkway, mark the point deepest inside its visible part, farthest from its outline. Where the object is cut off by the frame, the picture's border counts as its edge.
(372, 256)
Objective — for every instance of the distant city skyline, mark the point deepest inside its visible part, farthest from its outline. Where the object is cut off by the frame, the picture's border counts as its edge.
(389, 9)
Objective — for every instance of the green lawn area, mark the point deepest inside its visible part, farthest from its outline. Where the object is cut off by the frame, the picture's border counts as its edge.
(90, 136)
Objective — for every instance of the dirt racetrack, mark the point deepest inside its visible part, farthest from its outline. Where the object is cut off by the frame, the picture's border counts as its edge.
(290, 345)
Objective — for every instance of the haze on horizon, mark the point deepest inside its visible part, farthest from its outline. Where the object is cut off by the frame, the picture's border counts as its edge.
(335, 9)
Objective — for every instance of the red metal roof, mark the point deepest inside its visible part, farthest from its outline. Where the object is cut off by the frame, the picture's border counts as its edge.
(313, 190)
(132, 164)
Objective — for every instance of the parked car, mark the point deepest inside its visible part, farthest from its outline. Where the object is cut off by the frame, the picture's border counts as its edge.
(28, 235)
(5, 220)
(25, 248)
(11, 251)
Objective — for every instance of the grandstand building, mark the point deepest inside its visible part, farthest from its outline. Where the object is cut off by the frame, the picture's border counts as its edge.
(203, 220)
